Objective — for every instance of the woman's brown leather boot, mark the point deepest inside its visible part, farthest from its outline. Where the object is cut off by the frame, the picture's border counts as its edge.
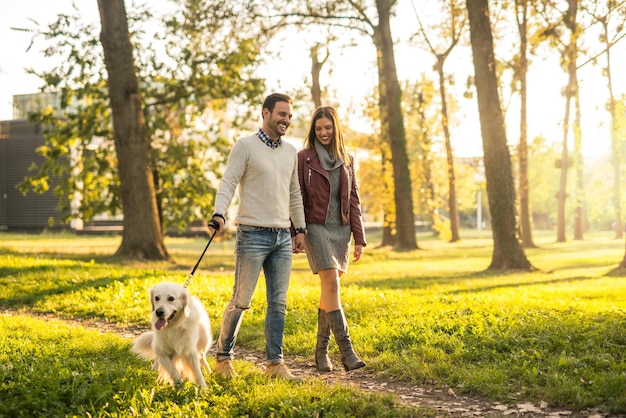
(322, 361)
(339, 326)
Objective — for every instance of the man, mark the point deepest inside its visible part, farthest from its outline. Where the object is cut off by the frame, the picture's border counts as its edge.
(265, 169)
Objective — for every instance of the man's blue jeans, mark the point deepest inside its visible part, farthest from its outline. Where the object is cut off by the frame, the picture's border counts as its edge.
(256, 248)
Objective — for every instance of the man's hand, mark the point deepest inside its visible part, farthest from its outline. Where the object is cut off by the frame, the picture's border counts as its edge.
(298, 243)
(216, 224)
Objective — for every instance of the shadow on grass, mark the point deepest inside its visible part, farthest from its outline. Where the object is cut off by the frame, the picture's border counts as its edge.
(52, 255)
(520, 284)
(417, 283)
(29, 297)
(26, 286)
(211, 261)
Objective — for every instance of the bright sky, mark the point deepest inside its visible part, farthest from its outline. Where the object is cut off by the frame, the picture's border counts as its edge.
(353, 74)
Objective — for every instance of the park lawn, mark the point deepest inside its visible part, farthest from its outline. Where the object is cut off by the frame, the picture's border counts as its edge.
(52, 369)
(430, 316)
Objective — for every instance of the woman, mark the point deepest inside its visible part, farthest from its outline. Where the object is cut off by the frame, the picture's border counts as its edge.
(332, 211)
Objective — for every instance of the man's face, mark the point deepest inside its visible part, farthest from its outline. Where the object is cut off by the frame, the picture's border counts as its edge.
(275, 124)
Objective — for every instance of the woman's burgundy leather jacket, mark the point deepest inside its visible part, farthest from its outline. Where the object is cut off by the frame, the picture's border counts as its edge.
(315, 188)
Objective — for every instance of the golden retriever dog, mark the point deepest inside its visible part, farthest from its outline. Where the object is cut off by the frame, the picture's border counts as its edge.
(180, 337)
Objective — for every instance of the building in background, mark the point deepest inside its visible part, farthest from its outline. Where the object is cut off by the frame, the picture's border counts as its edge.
(23, 104)
(19, 141)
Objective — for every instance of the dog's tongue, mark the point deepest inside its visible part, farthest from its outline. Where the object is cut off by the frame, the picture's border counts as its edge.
(160, 323)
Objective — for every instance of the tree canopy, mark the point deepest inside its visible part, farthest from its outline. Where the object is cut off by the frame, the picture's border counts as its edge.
(195, 69)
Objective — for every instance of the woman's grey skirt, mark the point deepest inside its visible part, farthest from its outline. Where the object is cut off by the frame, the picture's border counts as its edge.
(328, 246)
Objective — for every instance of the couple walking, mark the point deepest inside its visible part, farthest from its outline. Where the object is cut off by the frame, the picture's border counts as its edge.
(290, 201)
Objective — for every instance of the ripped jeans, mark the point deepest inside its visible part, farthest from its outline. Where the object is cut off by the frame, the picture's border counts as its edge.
(256, 248)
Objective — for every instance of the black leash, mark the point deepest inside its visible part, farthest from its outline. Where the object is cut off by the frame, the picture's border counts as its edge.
(215, 225)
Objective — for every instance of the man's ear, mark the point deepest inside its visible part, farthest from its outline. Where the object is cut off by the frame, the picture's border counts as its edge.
(265, 113)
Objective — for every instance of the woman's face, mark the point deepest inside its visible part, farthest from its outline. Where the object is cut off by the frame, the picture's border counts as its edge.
(324, 130)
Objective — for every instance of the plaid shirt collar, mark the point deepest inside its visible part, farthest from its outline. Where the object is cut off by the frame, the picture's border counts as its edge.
(268, 141)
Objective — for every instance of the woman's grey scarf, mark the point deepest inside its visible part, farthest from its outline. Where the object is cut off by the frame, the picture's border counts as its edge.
(327, 161)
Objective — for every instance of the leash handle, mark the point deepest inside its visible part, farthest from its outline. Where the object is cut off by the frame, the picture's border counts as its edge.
(215, 225)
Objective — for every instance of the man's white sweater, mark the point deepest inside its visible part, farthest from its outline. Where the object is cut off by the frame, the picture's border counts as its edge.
(269, 190)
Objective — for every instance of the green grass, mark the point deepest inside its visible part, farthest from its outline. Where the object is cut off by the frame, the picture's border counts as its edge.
(430, 316)
(51, 369)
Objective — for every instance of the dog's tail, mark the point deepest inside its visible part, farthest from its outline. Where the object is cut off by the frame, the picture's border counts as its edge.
(142, 346)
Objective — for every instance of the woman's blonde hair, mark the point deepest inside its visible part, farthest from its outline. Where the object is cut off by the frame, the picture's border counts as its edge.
(336, 147)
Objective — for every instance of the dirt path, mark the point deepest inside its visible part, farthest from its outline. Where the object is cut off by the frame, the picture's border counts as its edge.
(445, 400)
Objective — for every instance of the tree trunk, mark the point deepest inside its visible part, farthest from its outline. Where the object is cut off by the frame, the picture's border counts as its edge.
(452, 203)
(615, 144)
(393, 128)
(525, 213)
(507, 251)
(563, 164)
(389, 219)
(142, 237)
(316, 68)
(159, 196)
(579, 214)
(454, 24)
(427, 160)
(572, 89)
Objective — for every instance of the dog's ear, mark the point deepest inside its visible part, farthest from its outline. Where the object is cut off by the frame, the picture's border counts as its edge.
(152, 298)
(185, 297)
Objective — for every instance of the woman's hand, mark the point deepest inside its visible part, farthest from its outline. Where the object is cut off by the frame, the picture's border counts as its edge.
(358, 251)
